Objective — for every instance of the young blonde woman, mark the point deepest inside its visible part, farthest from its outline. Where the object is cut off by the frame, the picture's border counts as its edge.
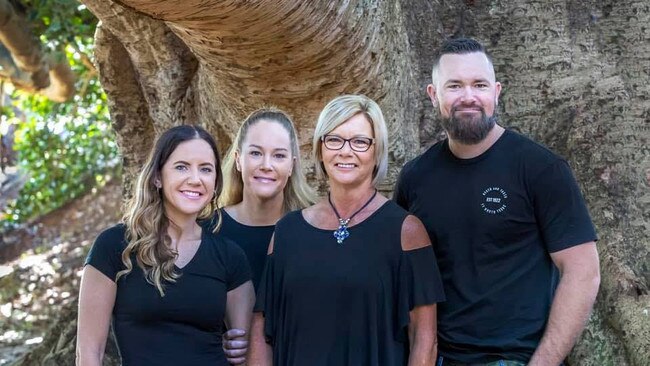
(351, 280)
(164, 283)
(263, 181)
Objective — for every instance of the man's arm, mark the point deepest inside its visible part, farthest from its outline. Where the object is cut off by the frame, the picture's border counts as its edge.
(575, 295)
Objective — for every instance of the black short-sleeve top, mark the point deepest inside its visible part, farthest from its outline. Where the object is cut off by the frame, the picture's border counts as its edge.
(344, 304)
(184, 327)
(493, 221)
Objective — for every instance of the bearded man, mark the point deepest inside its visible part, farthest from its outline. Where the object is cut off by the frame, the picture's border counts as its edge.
(513, 237)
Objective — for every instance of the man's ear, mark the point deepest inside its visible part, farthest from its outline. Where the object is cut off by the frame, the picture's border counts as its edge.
(497, 90)
(431, 91)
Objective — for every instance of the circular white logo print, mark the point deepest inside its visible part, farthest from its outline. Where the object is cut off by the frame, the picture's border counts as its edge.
(494, 200)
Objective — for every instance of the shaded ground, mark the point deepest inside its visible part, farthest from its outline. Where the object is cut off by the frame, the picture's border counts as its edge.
(36, 285)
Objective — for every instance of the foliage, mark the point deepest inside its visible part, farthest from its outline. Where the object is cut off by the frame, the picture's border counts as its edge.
(65, 148)
(60, 22)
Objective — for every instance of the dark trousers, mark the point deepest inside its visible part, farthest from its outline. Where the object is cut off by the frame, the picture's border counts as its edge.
(446, 362)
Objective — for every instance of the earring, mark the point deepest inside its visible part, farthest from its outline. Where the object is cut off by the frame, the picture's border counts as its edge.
(158, 186)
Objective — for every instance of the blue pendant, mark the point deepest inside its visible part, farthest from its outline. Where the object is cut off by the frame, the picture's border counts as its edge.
(342, 232)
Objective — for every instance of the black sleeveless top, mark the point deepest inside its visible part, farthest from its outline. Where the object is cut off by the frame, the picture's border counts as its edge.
(344, 304)
(254, 240)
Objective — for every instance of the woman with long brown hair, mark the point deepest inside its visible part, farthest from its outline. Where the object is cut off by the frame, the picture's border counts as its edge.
(167, 284)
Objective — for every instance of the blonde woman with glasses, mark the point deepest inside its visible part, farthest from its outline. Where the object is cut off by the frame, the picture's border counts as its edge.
(351, 280)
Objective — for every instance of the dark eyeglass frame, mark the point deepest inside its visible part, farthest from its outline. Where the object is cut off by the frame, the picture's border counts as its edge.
(349, 141)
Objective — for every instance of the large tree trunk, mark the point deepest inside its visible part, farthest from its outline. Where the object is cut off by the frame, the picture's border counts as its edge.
(575, 76)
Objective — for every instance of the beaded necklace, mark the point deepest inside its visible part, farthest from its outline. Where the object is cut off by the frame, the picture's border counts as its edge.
(342, 232)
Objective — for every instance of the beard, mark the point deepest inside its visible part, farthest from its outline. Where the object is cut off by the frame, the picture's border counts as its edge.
(468, 130)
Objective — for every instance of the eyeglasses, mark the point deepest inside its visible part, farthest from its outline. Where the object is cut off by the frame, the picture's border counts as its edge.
(359, 144)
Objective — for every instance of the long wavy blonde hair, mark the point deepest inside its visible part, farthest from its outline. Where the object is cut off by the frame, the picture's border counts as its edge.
(297, 193)
(145, 218)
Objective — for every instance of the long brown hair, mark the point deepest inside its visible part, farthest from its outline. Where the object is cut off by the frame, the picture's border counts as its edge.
(145, 218)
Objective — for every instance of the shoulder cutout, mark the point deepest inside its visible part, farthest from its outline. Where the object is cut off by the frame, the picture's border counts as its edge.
(414, 234)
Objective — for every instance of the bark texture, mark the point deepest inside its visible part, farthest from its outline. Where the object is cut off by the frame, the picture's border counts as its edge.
(576, 77)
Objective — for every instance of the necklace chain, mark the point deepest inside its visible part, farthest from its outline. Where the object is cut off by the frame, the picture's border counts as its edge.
(341, 233)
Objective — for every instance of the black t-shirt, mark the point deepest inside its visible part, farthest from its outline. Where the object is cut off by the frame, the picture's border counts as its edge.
(330, 304)
(493, 220)
(184, 327)
(254, 240)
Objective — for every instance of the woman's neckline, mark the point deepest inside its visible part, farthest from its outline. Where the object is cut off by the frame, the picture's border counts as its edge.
(228, 216)
(352, 227)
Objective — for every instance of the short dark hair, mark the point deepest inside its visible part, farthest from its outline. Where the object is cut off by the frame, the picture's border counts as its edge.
(459, 46)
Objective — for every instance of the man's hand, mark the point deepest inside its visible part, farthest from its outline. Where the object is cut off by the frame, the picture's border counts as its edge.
(235, 346)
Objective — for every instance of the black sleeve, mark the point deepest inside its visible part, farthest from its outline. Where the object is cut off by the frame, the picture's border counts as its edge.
(560, 209)
(106, 253)
(238, 268)
(267, 299)
(419, 284)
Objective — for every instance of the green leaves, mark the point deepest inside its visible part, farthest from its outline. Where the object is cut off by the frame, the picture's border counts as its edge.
(65, 148)
(57, 21)
(64, 155)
